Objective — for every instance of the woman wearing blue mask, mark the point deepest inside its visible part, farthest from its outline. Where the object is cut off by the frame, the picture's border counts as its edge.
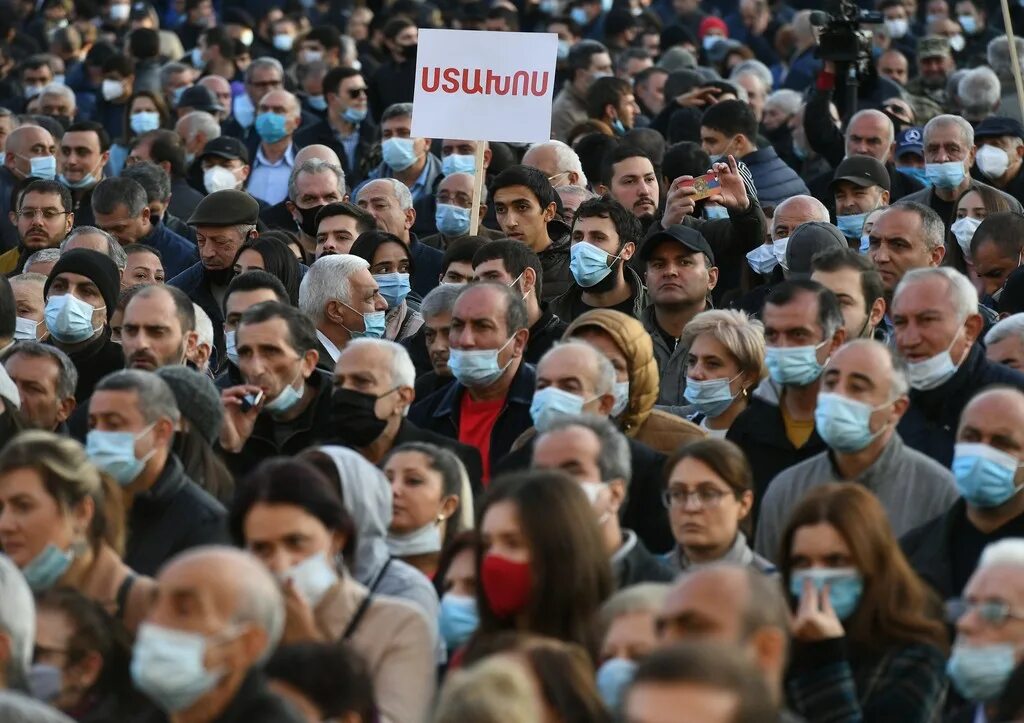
(456, 582)
(145, 111)
(724, 364)
(391, 265)
(270, 253)
(290, 516)
(869, 642)
(62, 524)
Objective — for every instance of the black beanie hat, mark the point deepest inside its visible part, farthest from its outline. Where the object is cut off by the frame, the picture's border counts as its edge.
(93, 265)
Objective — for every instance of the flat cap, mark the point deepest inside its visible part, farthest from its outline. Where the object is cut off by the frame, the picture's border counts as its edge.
(996, 126)
(863, 171)
(226, 208)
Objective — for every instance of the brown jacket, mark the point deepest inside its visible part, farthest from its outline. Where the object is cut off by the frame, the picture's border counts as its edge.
(659, 430)
(103, 581)
(397, 642)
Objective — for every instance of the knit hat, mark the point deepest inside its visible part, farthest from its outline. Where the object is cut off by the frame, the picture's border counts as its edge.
(197, 399)
(93, 265)
(807, 240)
(709, 23)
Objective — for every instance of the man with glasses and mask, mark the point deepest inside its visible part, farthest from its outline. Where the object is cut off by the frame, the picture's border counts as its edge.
(453, 209)
(43, 218)
(863, 396)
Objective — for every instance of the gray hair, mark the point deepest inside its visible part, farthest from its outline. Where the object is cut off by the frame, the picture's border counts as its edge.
(979, 91)
(113, 192)
(400, 190)
(17, 620)
(579, 191)
(1004, 552)
(403, 373)
(199, 121)
(260, 63)
(755, 68)
(966, 129)
(998, 56)
(515, 307)
(313, 166)
(67, 372)
(877, 114)
(169, 69)
(646, 597)
(566, 159)
(396, 110)
(961, 291)
(614, 461)
(1012, 325)
(46, 256)
(155, 181)
(114, 250)
(900, 382)
(605, 381)
(63, 91)
(439, 300)
(326, 279)
(788, 101)
(156, 401)
(932, 227)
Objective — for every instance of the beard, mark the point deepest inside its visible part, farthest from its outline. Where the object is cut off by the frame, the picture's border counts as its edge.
(609, 282)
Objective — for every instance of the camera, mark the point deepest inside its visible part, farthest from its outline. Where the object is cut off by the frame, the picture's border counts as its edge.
(842, 40)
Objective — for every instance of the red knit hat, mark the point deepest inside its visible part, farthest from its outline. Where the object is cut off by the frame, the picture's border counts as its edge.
(712, 22)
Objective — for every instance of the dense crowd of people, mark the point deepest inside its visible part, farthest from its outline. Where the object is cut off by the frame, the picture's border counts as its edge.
(715, 416)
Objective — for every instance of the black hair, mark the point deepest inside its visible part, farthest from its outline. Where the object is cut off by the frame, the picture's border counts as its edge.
(219, 37)
(332, 675)
(92, 127)
(619, 153)
(511, 17)
(1004, 229)
(516, 256)
(41, 186)
(327, 35)
(144, 43)
(8, 310)
(393, 27)
(644, 75)
(604, 92)
(366, 245)
(830, 314)
(532, 179)
(167, 147)
(364, 220)
(592, 149)
(278, 260)
(871, 285)
(118, 64)
(143, 249)
(685, 159)
(731, 117)
(580, 56)
(647, 140)
(254, 280)
(301, 331)
(154, 180)
(462, 250)
(332, 80)
(183, 308)
(627, 225)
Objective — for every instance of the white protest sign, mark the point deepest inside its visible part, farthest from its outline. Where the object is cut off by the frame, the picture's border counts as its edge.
(478, 85)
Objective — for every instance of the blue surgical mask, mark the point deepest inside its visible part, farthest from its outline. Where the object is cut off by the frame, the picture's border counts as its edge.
(477, 367)
(613, 677)
(270, 127)
(865, 243)
(69, 319)
(716, 157)
(711, 397)
(551, 403)
(710, 41)
(231, 347)
(398, 153)
(621, 398)
(563, 49)
(244, 113)
(374, 325)
(287, 399)
(144, 121)
(177, 93)
(762, 259)
(197, 59)
(355, 116)
(618, 128)
(45, 682)
(25, 329)
(588, 263)
(44, 167)
(168, 667)
(845, 587)
(800, 152)
(457, 163)
(393, 287)
(452, 220)
(86, 181)
(458, 620)
(114, 453)
(980, 672)
(713, 213)
(46, 568)
(793, 365)
(948, 175)
(851, 225)
(579, 16)
(844, 424)
(984, 475)
(918, 173)
(317, 103)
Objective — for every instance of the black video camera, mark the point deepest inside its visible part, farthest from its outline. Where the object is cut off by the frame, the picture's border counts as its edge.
(842, 40)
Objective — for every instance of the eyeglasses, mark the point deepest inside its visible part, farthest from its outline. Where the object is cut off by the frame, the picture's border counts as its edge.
(706, 497)
(47, 213)
(993, 612)
(354, 93)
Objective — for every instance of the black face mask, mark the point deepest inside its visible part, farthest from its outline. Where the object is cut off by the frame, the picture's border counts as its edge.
(353, 417)
(308, 224)
(408, 51)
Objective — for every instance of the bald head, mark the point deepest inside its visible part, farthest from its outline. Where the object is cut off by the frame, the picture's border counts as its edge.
(994, 409)
(25, 143)
(866, 368)
(321, 152)
(281, 102)
(794, 211)
(870, 133)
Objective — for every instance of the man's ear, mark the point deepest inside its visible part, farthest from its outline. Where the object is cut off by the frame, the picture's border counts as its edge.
(146, 214)
(550, 212)
(712, 277)
(973, 327)
(406, 395)
(309, 360)
(877, 312)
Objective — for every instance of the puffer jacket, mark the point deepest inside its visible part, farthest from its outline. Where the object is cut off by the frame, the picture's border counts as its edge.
(774, 180)
(554, 264)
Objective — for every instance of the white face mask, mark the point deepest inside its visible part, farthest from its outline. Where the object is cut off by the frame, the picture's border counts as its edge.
(992, 161)
(934, 371)
(425, 540)
(963, 229)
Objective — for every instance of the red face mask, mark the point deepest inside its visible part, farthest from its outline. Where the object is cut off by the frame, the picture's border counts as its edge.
(506, 584)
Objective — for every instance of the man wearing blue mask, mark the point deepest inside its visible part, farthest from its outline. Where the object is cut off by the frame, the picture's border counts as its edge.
(948, 157)
(346, 128)
(936, 327)
(488, 405)
(453, 209)
(604, 238)
(803, 327)
(29, 152)
(84, 152)
(81, 293)
(610, 102)
(132, 420)
(405, 158)
(989, 633)
(278, 116)
(342, 298)
(860, 185)
(587, 61)
(863, 397)
(987, 466)
(284, 404)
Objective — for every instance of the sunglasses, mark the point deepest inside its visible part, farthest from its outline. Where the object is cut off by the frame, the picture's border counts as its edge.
(354, 93)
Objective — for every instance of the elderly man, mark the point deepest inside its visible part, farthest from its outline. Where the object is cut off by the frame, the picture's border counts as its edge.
(863, 382)
(167, 512)
(29, 152)
(373, 390)
(196, 130)
(767, 259)
(803, 327)
(857, 284)
(488, 405)
(223, 221)
(156, 182)
(263, 75)
(593, 451)
(121, 208)
(389, 201)
(436, 310)
(934, 66)
(278, 117)
(977, 94)
(989, 629)
(81, 293)
(453, 211)
(558, 161)
(1004, 342)
(999, 154)
(58, 101)
(96, 239)
(313, 185)
(213, 599)
(936, 326)
(945, 551)
(948, 157)
(342, 298)
(860, 185)
(41, 262)
(46, 381)
(405, 158)
(907, 236)
(42, 217)
(30, 324)
(158, 328)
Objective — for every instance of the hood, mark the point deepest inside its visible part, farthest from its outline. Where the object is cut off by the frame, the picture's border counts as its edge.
(635, 343)
(367, 497)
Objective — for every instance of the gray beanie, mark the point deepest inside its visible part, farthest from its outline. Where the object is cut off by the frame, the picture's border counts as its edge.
(197, 398)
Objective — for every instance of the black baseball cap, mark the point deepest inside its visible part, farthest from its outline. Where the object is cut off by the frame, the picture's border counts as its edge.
(226, 147)
(688, 237)
(861, 170)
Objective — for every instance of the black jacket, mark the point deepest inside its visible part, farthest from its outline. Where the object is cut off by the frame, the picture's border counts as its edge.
(639, 565)
(469, 456)
(929, 550)
(171, 516)
(184, 198)
(426, 264)
(9, 183)
(554, 263)
(930, 422)
(392, 83)
(322, 133)
(194, 283)
(95, 361)
(253, 703)
(543, 335)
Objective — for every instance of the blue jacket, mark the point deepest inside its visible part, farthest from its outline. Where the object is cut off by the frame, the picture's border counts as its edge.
(176, 252)
(774, 180)
(426, 262)
(193, 282)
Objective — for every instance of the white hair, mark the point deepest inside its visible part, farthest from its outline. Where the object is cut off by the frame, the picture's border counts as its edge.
(605, 381)
(1012, 325)
(962, 292)
(328, 279)
(788, 101)
(204, 326)
(979, 91)
(755, 68)
(199, 121)
(566, 159)
(17, 620)
(400, 190)
(403, 372)
(816, 209)
(63, 91)
(1004, 552)
(998, 56)
(966, 129)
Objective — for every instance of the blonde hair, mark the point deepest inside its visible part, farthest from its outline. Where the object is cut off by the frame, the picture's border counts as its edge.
(492, 691)
(69, 477)
(737, 332)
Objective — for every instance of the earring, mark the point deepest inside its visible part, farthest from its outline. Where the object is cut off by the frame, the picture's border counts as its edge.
(440, 518)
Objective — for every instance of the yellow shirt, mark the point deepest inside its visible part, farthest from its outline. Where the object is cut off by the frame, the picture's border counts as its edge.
(797, 430)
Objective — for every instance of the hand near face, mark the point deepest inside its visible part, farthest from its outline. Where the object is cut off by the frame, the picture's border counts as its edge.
(815, 619)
